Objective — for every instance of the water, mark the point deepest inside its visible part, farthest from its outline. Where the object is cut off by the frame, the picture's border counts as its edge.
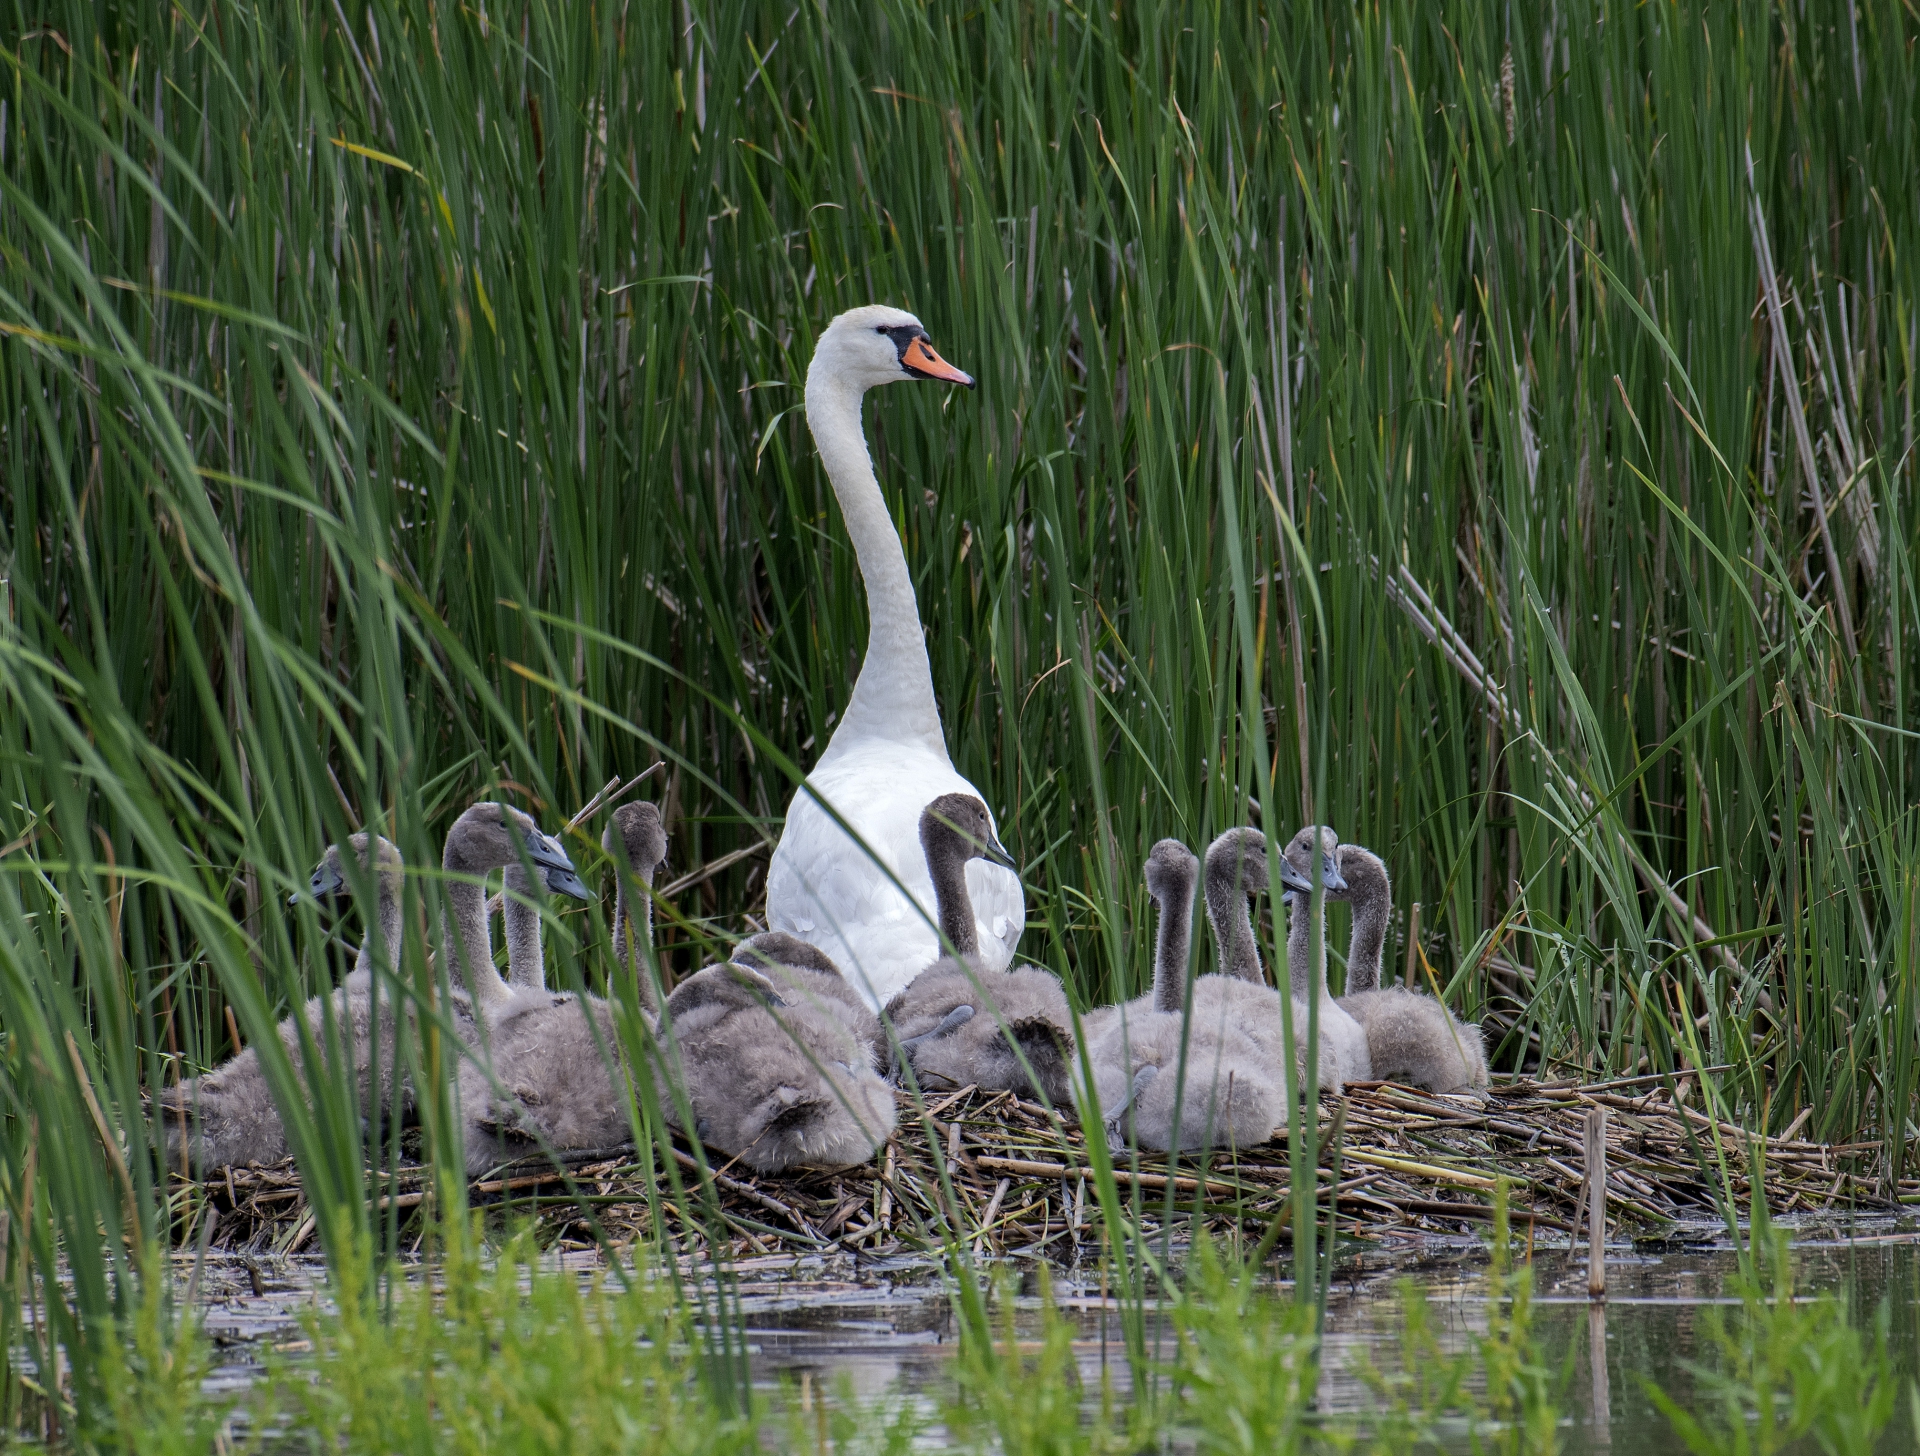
(896, 1342)
(1649, 1325)
(884, 1329)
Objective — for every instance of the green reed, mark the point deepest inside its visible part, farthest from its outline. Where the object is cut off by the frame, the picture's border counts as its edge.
(1386, 417)
(1786, 1370)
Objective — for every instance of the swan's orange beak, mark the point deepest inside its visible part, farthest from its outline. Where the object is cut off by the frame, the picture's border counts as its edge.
(923, 363)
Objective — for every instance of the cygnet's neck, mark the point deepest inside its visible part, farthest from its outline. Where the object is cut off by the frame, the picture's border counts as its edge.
(625, 944)
(893, 696)
(1370, 891)
(947, 868)
(1304, 967)
(1173, 945)
(526, 955)
(1230, 914)
(465, 934)
(386, 913)
(463, 931)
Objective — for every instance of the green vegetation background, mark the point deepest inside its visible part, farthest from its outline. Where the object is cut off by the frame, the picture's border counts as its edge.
(1499, 415)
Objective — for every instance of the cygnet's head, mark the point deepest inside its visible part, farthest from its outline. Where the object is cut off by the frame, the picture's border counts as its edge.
(1365, 874)
(1296, 870)
(489, 834)
(1171, 866)
(958, 825)
(878, 345)
(330, 876)
(637, 829)
(1237, 864)
(780, 948)
(729, 987)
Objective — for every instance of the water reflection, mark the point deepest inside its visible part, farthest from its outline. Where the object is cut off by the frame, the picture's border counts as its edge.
(1648, 1328)
(885, 1330)
(1600, 1411)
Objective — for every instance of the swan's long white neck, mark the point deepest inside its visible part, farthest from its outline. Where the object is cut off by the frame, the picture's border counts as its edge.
(893, 696)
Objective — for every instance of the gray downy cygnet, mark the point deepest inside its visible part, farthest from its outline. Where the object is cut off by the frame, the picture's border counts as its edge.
(487, 837)
(772, 1083)
(1174, 1079)
(798, 970)
(228, 1116)
(1354, 1060)
(1236, 871)
(637, 837)
(1412, 1038)
(558, 1074)
(960, 1022)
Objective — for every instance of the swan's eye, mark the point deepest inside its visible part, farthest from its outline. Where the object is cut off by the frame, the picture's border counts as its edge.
(881, 331)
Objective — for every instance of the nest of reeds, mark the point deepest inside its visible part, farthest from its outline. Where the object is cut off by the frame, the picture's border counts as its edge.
(1022, 1183)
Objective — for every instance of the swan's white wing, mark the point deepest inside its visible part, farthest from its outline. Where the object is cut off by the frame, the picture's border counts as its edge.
(824, 887)
(831, 892)
(999, 909)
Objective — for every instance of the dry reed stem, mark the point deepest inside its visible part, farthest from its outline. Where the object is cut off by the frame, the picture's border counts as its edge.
(1429, 1165)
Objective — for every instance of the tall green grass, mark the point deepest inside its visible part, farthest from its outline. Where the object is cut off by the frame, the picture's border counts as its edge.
(1786, 1370)
(1386, 418)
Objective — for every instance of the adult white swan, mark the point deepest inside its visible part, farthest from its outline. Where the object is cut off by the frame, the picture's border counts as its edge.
(888, 757)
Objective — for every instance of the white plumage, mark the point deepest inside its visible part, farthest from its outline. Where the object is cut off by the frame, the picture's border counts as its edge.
(827, 890)
(888, 757)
